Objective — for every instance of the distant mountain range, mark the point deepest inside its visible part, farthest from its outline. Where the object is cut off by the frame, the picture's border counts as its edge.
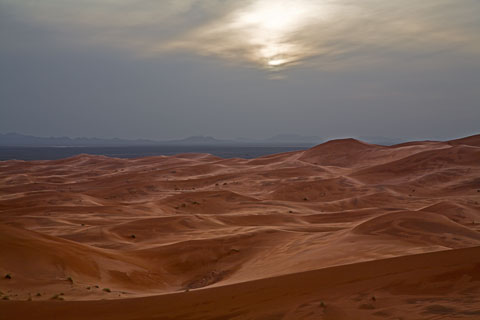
(20, 140)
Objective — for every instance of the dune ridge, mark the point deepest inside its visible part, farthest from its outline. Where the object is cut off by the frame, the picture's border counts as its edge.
(344, 230)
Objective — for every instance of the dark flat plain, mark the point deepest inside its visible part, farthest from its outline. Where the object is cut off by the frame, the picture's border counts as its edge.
(128, 152)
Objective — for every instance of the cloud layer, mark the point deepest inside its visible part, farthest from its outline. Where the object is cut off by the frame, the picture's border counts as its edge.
(268, 34)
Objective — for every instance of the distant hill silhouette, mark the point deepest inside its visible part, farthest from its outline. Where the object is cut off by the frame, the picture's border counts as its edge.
(21, 140)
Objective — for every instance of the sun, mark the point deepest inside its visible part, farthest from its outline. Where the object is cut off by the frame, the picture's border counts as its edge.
(277, 62)
(269, 27)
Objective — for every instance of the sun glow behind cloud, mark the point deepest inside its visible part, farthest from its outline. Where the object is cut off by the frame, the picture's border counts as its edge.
(269, 25)
(263, 32)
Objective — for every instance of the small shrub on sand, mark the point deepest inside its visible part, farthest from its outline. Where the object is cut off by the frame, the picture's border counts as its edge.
(8, 276)
(38, 294)
(5, 298)
(57, 297)
(107, 290)
(69, 279)
(133, 236)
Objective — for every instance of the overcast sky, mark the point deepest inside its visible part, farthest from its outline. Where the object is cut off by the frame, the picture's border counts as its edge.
(164, 69)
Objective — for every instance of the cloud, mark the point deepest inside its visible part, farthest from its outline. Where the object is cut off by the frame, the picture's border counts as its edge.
(269, 34)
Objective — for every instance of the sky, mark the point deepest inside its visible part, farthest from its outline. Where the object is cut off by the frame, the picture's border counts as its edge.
(167, 69)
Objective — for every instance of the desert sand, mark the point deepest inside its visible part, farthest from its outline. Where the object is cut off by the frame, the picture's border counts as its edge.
(344, 230)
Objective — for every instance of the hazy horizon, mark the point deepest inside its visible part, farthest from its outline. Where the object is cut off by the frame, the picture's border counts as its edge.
(278, 137)
(255, 69)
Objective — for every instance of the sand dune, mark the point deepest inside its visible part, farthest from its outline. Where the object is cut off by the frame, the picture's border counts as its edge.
(344, 230)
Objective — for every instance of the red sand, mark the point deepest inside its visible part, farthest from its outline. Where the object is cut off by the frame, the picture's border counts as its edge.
(345, 230)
